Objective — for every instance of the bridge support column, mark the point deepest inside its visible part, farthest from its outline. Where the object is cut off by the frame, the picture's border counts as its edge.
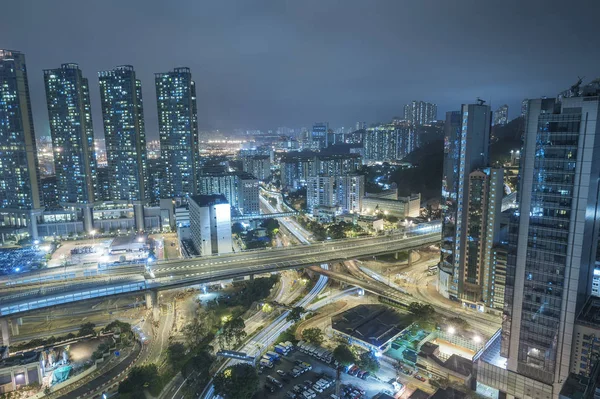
(152, 303)
(410, 257)
(14, 325)
(5, 332)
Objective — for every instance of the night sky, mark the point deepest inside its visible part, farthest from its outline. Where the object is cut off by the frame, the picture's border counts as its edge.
(264, 64)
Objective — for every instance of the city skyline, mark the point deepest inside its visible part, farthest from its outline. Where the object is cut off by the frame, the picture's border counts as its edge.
(255, 73)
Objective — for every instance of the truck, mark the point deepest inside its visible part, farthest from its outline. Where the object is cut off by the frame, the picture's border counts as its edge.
(280, 349)
(288, 345)
(266, 363)
(273, 356)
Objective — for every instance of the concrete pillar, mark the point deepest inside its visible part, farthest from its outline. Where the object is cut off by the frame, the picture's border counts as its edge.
(151, 299)
(33, 230)
(14, 325)
(138, 215)
(409, 257)
(88, 220)
(12, 380)
(5, 331)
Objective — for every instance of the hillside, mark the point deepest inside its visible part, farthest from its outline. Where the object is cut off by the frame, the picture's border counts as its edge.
(426, 175)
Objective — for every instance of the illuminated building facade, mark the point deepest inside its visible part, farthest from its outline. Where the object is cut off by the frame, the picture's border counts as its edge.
(178, 131)
(125, 135)
(70, 115)
(20, 195)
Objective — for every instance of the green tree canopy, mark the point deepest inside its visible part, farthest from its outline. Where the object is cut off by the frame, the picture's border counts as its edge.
(239, 381)
(176, 355)
(313, 335)
(295, 314)
(369, 362)
(343, 355)
(199, 364)
(86, 329)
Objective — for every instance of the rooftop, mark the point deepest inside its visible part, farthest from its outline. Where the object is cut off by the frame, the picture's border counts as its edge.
(208, 200)
(448, 393)
(373, 324)
(590, 314)
(418, 394)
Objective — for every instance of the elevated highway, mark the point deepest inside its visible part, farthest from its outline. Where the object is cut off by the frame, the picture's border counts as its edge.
(186, 272)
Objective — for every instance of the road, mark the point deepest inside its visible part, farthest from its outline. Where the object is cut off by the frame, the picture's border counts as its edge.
(87, 390)
(374, 282)
(290, 224)
(267, 336)
(185, 272)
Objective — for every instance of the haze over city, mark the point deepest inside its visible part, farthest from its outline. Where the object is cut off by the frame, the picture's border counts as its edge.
(299, 200)
(264, 64)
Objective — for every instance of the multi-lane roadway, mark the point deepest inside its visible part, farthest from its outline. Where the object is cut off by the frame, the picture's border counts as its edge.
(37, 292)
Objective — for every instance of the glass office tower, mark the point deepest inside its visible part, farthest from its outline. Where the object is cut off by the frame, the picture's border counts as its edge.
(552, 237)
(124, 132)
(20, 196)
(178, 129)
(466, 146)
(70, 115)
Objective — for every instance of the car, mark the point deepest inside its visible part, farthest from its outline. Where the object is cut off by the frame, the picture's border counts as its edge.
(420, 378)
(298, 362)
(290, 395)
(317, 388)
(360, 373)
(365, 375)
(281, 372)
(270, 388)
(308, 384)
(307, 365)
(297, 388)
(311, 392)
(354, 371)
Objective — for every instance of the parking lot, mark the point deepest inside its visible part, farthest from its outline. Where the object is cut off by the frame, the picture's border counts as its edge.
(370, 387)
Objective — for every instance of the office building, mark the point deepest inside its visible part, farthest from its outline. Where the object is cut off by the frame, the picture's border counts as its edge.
(318, 135)
(125, 135)
(480, 234)
(49, 192)
(553, 236)
(420, 113)
(297, 167)
(501, 115)
(103, 184)
(389, 143)
(70, 115)
(257, 165)
(210, 224)
(391, 205)
(320, 192)
(20, 195)
(466, 145)
(524, 107)
(586, 339)
(349, 192)
(178, 131)
(241, 189)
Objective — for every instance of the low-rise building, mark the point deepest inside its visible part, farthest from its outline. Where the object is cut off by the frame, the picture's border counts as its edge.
(210, 224)
(402, 207)
(586, 338)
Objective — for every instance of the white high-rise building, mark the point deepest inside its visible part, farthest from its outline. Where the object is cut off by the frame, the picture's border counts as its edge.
(420, 113)
(320, 192)
(501, 115)
(349, 192)
(210, 224)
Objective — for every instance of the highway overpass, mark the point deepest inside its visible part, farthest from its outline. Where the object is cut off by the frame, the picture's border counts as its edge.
(186, 272)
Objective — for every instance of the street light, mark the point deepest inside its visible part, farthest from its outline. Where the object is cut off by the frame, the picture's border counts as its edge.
(93, 234)
(451, 330)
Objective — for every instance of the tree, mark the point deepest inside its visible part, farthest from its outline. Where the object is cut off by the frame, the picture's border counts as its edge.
(239, 381)
(313, 335)
(368, 361)
(295, 314)
(86, 329)
(420, 310)
(176, 355)
(237, 228)
(232, 333)
(344, 357)
(199, 330)
(199, 364)
(140, 378)
(272, 227)
(273, 201)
